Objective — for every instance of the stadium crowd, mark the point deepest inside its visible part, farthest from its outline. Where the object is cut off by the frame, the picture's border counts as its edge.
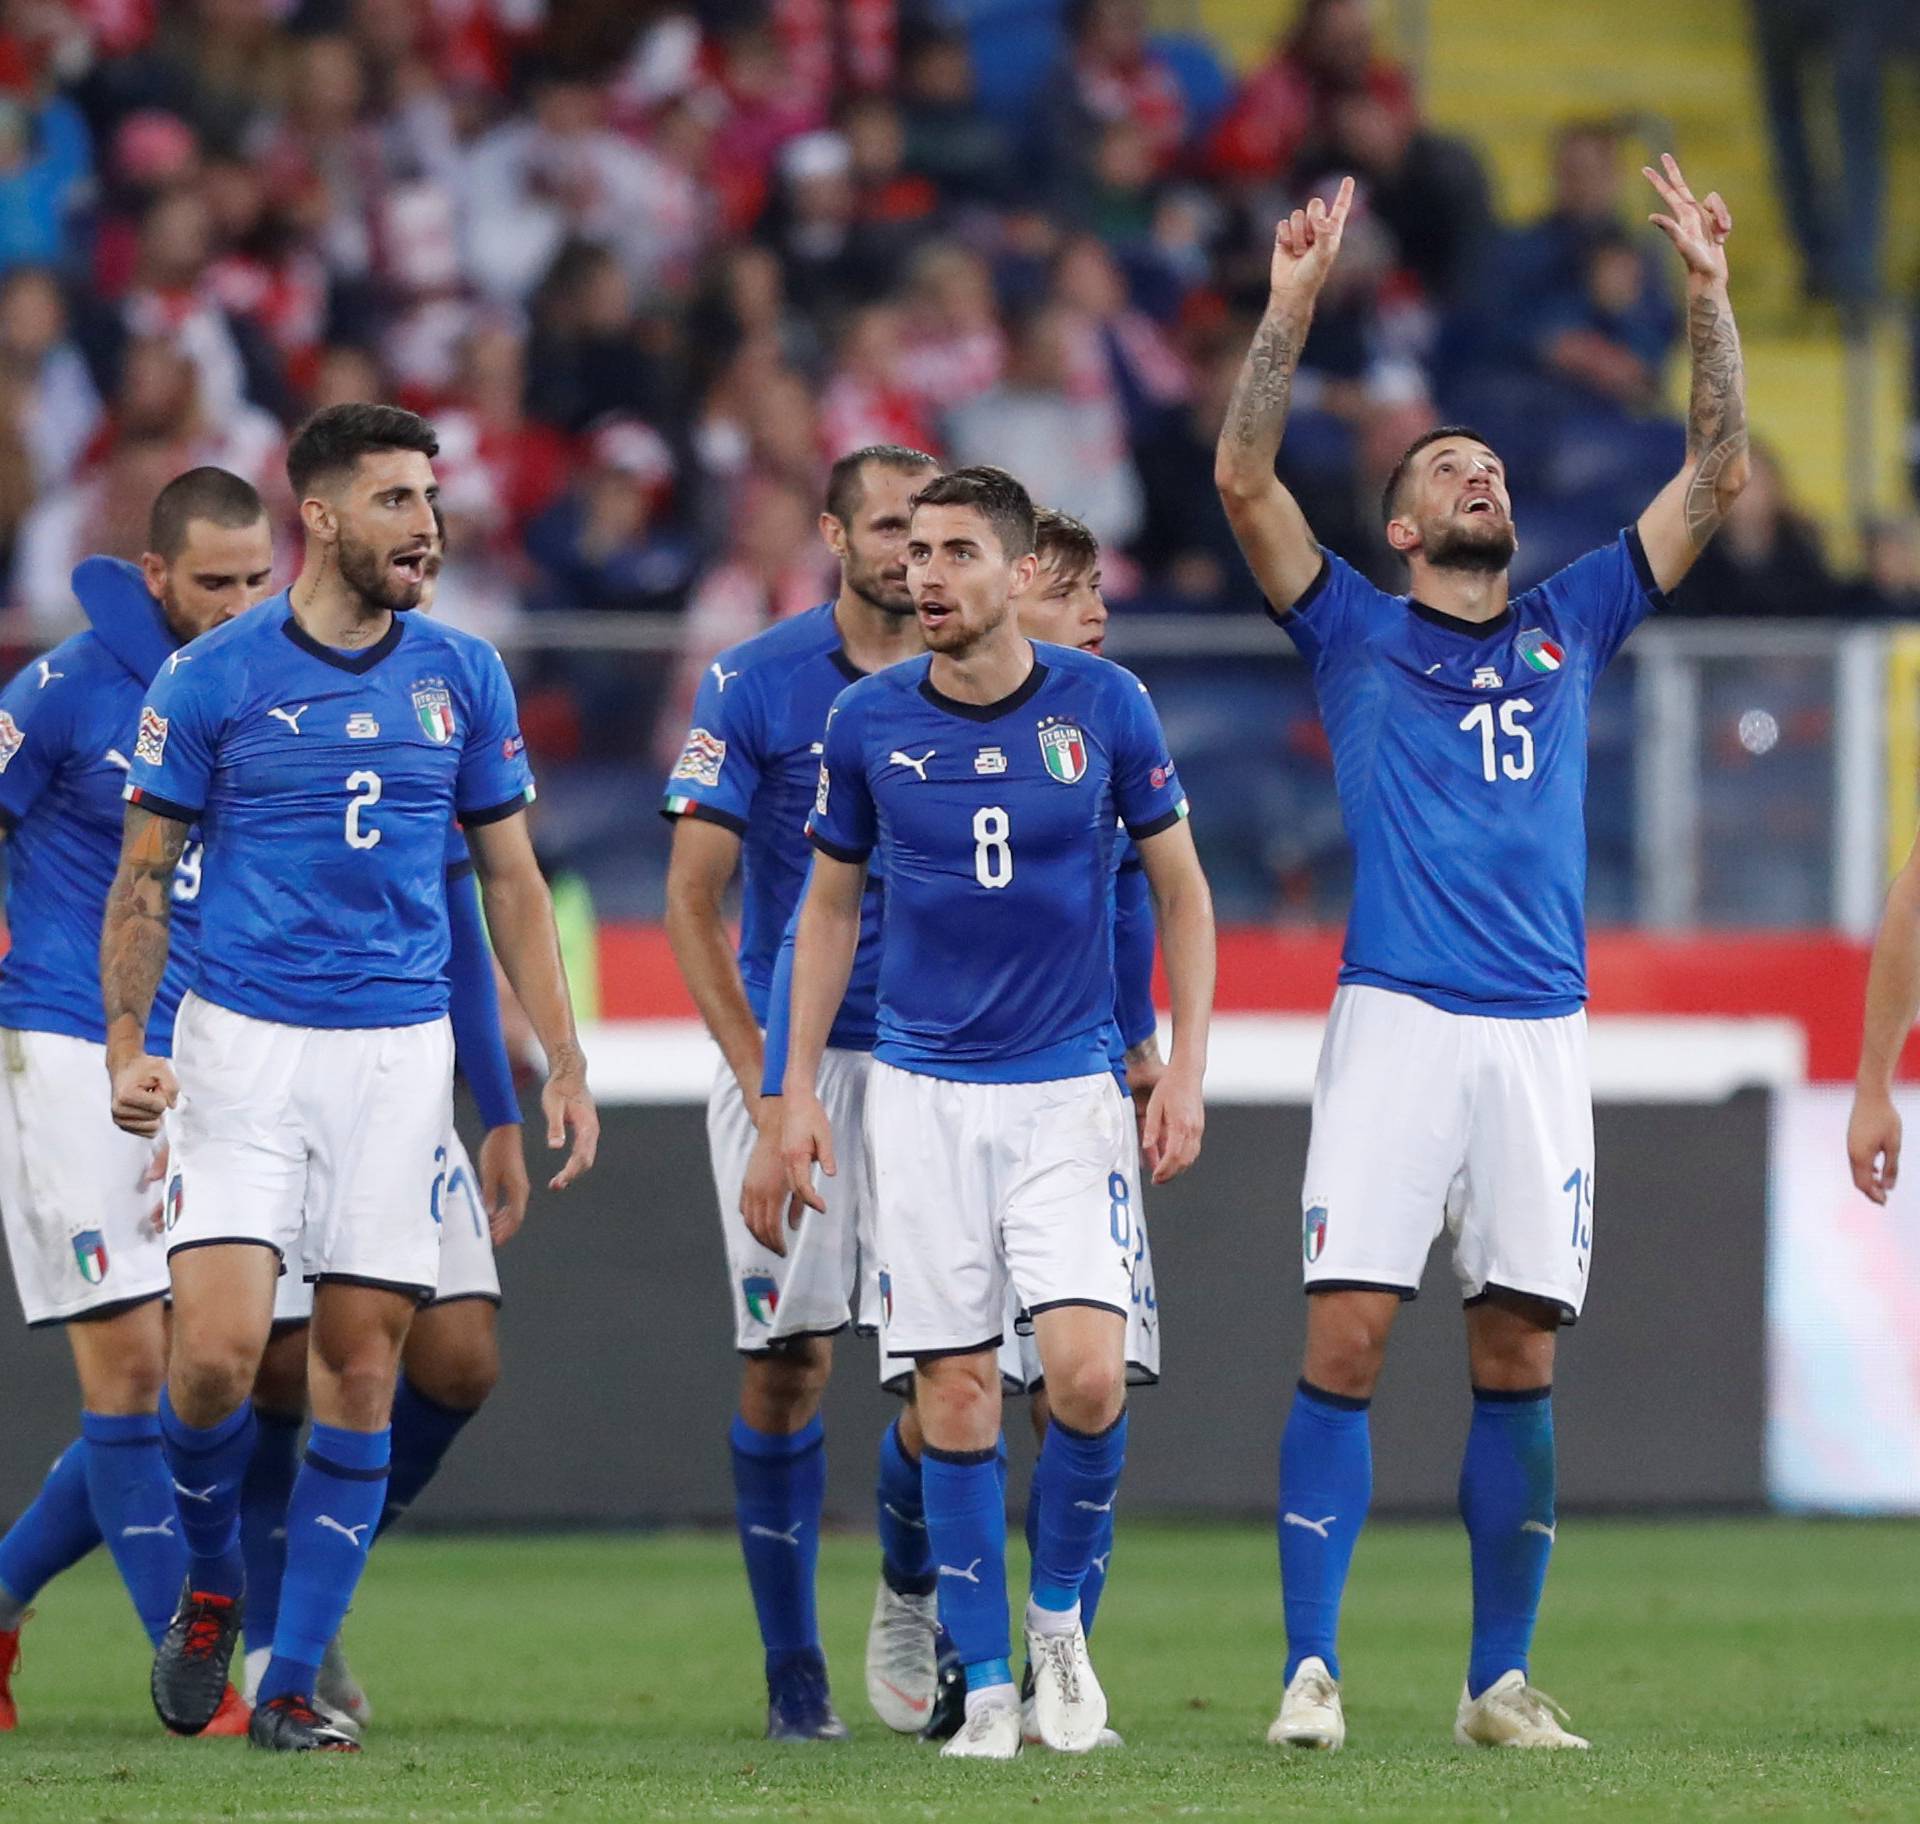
(650, 266)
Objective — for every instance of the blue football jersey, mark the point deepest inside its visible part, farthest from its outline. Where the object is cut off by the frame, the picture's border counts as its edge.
(324, 783)
(994, 826)
(1460, 755)
(68, 725)
(749, 764)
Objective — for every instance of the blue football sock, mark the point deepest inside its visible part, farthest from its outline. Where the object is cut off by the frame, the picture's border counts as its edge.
(1031, 1519)
(263, 1517)
(1326, 1482)
(967, 1527)
(906, 1559)
(1079, 1478)
(423, 1433)
(132, 1497)
(779, 1488)
(1506, 1499)
(330, 1520)
(1096, 1578)
(56, 1532)
(209, 1467)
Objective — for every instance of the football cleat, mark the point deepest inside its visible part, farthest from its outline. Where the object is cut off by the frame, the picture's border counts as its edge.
(337, 1694)
(799, 1706)
(903, 1663)
(949, 1695)
(1510, 1713)
(991, 1731)
(1310, 1713)
(190, 1669)
(9, 1661)
(231, 1719)
(291, 1725)
(1069, 1708)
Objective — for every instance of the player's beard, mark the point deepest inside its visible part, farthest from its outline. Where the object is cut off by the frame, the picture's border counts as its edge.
(1479, 544)
(363, 568)
(874, 587)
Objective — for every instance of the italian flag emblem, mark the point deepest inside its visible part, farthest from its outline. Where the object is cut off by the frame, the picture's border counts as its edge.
(90, 1255)
(1539, 652)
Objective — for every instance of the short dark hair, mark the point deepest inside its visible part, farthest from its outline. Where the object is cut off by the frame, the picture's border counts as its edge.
(846, 481)
(992, 493)
(337, 436)
(1061, 540)
(1390, 494)
(205, 493)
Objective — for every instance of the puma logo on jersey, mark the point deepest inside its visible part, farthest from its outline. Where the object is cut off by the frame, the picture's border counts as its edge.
(790, 1537)
(291, 717)
(897, 758)
(163, 1531)
(720, 677)
(351, 1534)
(970, 1575)
(48, 674)
(1312, 1526)
(176, 659)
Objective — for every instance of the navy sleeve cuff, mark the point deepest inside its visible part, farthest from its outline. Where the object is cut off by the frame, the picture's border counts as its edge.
(834, 852)
(1307, 598)
(1643, 570)
(494, 813)
(161, 807)
(1140, 831)
(705, 813)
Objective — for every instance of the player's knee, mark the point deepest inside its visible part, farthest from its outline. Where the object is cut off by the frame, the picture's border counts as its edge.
(463, 1377)
(781, 1390)
(1346, 1350)
(959, 1399)
(123, 1383)
(210, 1379)
(1088, 1394)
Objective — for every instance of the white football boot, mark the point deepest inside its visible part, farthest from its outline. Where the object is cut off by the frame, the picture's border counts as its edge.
(1510, 1713)
(1069, 1708)
(903, 1665)
(1030, 1731)
(991, 1731)
(337, 1694)
(1310, 1713)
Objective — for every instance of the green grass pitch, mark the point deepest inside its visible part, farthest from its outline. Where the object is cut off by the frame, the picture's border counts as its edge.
(1726, 1670)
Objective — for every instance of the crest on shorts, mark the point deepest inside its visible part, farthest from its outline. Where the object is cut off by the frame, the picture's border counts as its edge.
(1064, 748)
(176, 1196)
(1313, 1233)
(763, 1296)
(90, 1251)
(11, 739)
(433, 704)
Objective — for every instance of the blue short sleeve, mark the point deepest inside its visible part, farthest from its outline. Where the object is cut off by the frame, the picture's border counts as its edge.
(494, 779)
(1133, 948)
(1146, 789)
(843, 823)
(173, 750)
(1333, 616)
(1605, 595)
(719, 769)
(36, 730)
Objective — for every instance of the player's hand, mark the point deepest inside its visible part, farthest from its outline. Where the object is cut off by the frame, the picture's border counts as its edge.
(806, 1136)
(766, 1200)
(1305, 243)
(503, 1181)
(1145, 1068)
(1873, 1143)
(143, 1090)
(1176, 1118)
(1698, 230)
(568, 1106)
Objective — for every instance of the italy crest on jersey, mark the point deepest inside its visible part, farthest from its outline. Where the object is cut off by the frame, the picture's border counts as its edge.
(1064, 749)
(433, 704)
(1539, 652)
(90, 1251)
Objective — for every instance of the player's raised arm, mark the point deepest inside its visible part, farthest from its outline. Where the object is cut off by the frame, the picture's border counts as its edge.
(1687, 512)
(520, 917)
(1176, 1117)
(133, 957)
(823, 951)
(1273, 533)
(1893, 1002)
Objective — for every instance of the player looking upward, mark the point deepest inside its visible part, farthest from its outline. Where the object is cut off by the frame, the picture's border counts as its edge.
(86, 1255)
(738, 797)
(990, 778)
(1453, 1083)
(328, 741)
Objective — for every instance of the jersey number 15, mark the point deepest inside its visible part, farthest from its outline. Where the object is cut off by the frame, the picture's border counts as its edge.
(1517, 763)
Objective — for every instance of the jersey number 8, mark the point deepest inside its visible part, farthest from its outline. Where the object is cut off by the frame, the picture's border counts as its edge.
(365, 787)
(992, 853)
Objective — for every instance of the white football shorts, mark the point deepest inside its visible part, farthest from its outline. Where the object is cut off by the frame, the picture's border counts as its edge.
(80, 1226)
(815, 1289)
(991, 1190)
(1424, 1120)
(327, 1145)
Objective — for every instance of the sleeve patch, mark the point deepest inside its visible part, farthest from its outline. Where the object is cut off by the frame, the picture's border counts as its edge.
(151, 748)
(11, 739)
(701, 759)
(820, 791)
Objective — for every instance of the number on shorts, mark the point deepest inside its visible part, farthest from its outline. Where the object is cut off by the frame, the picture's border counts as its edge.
(1120, 1209)
(1515, 766)
(1580, 1188)
(992, 853)
(186, 874)
(366, 789)
(439, 1185)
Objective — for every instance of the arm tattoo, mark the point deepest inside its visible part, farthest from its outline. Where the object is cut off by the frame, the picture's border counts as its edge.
(133, 940)
(1716, 414)
(1257, 412)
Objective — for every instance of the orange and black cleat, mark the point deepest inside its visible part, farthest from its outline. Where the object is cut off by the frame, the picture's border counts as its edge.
(291, 1725)
(190, 1669)
(9, 1659)
(232, 1718)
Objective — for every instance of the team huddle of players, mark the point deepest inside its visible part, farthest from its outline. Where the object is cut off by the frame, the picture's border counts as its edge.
(961, 836)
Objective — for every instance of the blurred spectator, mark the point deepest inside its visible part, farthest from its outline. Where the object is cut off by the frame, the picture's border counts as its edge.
(46, 161)
(1072, 448)
(744, 303)
(1765, 560)
(266, 273)
(524, 462)
(896, 207)
(1112, 75)
(53, 407)
(1889, 587)
(831, 258)
(865, 401)
(105, 510)
(950, 139)
(1327, 55)
(1122, 354)
(954, 347)
(343, 375)
(584, 356)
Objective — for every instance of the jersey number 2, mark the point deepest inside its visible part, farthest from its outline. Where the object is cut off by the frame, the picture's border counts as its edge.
(1516, 765)
(365, 788)
(992, 853)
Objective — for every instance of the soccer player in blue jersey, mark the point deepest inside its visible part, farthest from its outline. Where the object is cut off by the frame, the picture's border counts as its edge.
(990, 779)
(86, 1255)
(324, 743)
(738, 796)
(1453, 1086)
